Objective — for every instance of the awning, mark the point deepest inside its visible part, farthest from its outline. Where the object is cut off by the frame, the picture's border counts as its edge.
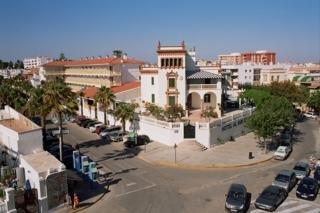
(295, 78)
(306, 79)
(202, 75)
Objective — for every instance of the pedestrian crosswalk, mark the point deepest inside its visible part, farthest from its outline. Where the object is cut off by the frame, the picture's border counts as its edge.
(291, 205)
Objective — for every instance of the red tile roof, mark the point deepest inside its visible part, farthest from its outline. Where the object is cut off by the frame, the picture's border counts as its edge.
(95, 61)
(90, 92)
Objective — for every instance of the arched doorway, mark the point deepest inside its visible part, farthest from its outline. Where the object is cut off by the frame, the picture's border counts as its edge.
(209, 99)
(194, 101)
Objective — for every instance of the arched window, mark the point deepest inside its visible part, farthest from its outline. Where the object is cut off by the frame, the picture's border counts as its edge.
(207, 98)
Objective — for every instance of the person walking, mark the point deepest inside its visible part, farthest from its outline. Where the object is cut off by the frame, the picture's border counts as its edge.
(75, 201)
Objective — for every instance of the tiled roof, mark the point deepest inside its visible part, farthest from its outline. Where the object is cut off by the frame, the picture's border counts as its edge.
(125, 87)
(90, 92)
(95, 61)
(201, 75)
(314, 85)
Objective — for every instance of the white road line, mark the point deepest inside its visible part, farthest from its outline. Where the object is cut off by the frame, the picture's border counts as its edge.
(294, 209)
(131, 184)
(317, 210)
(257, 211)
(287, 203)
(137, 190)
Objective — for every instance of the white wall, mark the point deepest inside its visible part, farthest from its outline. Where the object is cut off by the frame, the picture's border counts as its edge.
(30, 142)
(166, 135)
(147, 88)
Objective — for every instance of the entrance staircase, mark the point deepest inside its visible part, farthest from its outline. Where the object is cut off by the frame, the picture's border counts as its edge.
(193, 144)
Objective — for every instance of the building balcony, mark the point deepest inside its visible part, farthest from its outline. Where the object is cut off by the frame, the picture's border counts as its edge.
(202, 86)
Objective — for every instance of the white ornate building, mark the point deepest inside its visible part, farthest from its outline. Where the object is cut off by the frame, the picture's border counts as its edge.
(178, 79)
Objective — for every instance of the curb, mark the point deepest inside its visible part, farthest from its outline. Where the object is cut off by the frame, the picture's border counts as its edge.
(204, 166)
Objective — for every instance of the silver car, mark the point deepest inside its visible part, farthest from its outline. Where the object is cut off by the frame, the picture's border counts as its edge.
(285, 179)
(301, 169)
(116, 136)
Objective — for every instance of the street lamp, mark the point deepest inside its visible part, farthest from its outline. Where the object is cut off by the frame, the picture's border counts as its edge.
(175, 153)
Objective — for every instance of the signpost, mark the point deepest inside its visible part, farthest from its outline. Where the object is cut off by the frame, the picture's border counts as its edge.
(56, 132)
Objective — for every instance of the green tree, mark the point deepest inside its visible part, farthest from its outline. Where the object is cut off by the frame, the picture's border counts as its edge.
(105, 98)
(61, 101)
(313, 101)
(209, 112)
(256, 96)
(36, 106)
(271, 116)
(289, 90)
(62, 57)
(173, 113)
(10, 65)
(124, 112)
(154, 110)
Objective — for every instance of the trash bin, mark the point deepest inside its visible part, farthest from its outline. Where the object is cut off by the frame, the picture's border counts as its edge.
(250, 155)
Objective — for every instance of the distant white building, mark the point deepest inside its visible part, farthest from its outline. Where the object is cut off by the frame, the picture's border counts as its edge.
(35, 62)
(10, 73)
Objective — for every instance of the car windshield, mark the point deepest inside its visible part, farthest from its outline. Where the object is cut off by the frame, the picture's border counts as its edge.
(308, 185)
(268, 194)
(236, 194)
(299, 168)
(280, 150)
(282, 178)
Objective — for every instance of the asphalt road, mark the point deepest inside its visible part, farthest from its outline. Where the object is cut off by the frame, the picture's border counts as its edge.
(139, 187)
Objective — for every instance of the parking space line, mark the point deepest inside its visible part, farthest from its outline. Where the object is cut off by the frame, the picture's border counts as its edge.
(294, 209)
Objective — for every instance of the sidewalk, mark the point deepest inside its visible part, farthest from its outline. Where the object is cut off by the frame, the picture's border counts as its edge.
(189, 154)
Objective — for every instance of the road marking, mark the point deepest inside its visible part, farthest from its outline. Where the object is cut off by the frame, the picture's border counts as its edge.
(317, 210)
(136, 190)
(294, 209)
(287, 203)
(131, 184)
(257, 211)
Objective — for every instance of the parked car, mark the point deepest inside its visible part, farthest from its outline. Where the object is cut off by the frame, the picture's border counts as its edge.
(270, 198)
(287, 144)
(281, 153)
(301, 169)
(55, 150)
(85, 122)
(285, 179)
(81, 119)
(141, 140)
(116, 136)
(110, 130)
(94, 127)
(100, 129)
(316, 174)
(89, 124)
(237, 199)
(311, 115)
(307, 189)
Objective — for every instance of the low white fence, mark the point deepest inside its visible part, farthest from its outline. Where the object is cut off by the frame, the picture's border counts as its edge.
(165, 132)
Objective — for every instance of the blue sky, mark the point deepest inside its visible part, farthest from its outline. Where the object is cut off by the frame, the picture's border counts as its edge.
(79, 28)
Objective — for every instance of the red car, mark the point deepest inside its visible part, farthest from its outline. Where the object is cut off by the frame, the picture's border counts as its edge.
(100, 129)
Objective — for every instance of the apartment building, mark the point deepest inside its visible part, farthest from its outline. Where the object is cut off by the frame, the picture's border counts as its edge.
(96, 72)
(258, 57)
(35, 62)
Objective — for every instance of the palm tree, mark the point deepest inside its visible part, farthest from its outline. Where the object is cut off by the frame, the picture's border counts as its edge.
(124, 112)
(104, 97)
(60, 100)
(81, 95)
(36, 106)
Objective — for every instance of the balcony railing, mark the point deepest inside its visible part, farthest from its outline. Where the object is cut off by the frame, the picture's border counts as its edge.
(202, 86)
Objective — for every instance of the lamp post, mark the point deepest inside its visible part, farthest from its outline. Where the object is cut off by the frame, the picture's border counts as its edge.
(175, 153)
